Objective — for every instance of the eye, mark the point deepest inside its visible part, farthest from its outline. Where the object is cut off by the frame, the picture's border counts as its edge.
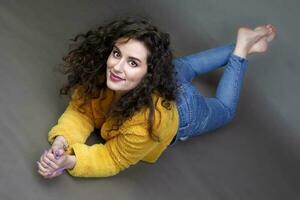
(133, 63)
(115, 53)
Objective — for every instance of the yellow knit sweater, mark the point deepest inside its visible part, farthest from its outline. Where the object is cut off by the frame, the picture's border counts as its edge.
(125, 147)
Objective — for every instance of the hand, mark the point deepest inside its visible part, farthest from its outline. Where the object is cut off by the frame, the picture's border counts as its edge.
(59, 146)
(46, 165)
(55, 167)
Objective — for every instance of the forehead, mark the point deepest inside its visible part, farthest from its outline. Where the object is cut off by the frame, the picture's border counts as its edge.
(132, 47)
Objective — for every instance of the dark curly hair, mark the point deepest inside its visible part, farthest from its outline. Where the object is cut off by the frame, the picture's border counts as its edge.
(85, 65)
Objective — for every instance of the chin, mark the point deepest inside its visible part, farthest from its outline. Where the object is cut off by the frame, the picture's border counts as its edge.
(112, 86)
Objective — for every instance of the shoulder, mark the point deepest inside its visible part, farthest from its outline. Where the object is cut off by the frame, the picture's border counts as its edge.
(164, 111)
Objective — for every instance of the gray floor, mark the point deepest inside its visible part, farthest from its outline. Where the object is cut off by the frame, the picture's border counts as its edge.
(254, 157)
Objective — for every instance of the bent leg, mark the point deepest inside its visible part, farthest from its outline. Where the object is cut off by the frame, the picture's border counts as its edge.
(191, 66)
(222, 108)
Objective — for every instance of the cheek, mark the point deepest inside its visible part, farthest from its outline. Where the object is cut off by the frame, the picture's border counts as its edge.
(135, 77)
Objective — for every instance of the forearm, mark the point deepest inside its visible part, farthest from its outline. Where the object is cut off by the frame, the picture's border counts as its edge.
(91, 161)
(74, 126)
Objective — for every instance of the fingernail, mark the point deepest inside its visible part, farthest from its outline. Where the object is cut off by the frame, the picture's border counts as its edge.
(56, 153)
(57, 157)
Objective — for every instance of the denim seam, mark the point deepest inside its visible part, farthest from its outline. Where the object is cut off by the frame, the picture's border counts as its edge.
(237, 78)
(186, 63)
(188, 124)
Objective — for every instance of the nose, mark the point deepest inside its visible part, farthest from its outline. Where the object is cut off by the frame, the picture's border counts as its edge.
(118, 67)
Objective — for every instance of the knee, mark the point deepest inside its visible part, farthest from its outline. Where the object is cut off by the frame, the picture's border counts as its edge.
(231, 115)
(230, 111)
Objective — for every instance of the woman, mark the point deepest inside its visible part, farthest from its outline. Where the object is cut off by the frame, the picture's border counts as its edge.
(122, 78)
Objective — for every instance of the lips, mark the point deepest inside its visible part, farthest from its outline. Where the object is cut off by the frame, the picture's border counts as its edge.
(116, 77)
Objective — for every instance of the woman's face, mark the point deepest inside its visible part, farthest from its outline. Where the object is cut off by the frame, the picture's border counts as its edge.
(128, 61)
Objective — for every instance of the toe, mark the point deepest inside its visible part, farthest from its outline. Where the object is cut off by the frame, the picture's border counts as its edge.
(262, 31)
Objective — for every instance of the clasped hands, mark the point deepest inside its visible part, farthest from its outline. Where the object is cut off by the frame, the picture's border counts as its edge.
(54, 161)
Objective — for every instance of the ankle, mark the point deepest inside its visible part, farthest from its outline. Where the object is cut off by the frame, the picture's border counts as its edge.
(240, 51)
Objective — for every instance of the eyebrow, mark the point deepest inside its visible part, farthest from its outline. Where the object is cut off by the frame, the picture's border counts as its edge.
(133, 58)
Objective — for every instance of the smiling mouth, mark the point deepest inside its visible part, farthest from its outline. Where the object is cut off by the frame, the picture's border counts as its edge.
(114, 77)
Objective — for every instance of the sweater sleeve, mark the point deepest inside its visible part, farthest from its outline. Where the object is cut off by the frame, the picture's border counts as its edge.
(117, 154)
(74, 125)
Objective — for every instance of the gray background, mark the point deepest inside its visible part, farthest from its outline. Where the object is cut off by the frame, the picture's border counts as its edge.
(254, 157)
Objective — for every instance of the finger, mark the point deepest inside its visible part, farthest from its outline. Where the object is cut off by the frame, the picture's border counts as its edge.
(57, 146)
(55, 174)
(58, 153)
(43, 155)
(42, 173)
(43, 163)
(50, 162)
(46, 175)
(52, 157)
(49, 155)
(43, 169)
(46, 164)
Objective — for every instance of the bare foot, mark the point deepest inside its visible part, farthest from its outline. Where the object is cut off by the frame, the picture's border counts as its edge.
(247, 38)
(262, 45)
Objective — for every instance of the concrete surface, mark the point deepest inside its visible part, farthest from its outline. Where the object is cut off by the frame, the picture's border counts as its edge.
(254, 157)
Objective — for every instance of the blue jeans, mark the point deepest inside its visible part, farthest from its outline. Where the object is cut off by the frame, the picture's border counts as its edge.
(199, 114)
